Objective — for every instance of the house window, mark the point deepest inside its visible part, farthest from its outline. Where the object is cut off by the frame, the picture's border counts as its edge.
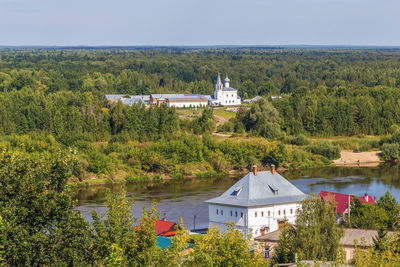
(241, 215)
(284, 212)
(269, 213)
(255, 214)
(231, 213)
(262, 214)
(217, 212)
(222, 212)
(291, 211)
(235, 213)
(226, 95)
(232, 95)
(279, 212)
(266, 252)
(298, 209)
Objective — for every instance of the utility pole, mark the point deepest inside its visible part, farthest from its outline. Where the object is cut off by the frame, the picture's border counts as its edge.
(194, 222)
(349, 212)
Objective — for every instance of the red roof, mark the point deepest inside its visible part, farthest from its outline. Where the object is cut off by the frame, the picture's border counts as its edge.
(342, 200)
(164, 227)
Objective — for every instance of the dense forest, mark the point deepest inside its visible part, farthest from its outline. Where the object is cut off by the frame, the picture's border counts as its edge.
(53, 99)
(57, 130)
(324, 92)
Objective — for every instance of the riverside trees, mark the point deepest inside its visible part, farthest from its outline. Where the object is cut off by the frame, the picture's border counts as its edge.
(38, 225)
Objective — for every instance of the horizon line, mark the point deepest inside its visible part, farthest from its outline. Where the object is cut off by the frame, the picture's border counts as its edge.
(351, 46)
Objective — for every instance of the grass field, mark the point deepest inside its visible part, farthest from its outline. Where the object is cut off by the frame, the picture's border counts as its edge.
(221, 115)
(224, 113)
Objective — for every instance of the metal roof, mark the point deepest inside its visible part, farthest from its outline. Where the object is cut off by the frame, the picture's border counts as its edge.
(257, 191)
(350, 236)
(187, 98)
(114, 96)
(228, 89)
(219, 80)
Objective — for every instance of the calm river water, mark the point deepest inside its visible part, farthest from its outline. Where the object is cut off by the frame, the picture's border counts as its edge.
(186, 198)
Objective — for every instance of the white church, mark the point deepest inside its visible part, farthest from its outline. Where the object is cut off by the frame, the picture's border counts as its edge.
(225, 95)
(257, 204)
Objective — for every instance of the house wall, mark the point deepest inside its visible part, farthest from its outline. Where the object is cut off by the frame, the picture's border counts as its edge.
(349, 251)
(273, 245)
(267, 217)
(227, 214)
(187, 104)
(230, 98)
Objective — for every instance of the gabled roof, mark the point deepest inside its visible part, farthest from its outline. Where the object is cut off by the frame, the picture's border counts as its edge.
(342, 200)
(163, 227)
(261, 190)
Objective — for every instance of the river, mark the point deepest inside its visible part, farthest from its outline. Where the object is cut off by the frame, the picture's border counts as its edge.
(186, 198)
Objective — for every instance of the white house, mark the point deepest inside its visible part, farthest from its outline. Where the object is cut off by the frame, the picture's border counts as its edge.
(224, 94)
(257, 204)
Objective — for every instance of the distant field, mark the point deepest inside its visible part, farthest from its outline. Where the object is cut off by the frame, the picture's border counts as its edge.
(224, 113)
(221, 114)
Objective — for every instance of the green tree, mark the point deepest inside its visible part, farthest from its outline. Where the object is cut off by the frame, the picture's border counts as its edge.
(205, 123)
(367, 216)
(40, 224)
(119, 239)
(228, 248)
(387, 254)
(390, 205)
(262, 119)
(315, 236)
(2, 240)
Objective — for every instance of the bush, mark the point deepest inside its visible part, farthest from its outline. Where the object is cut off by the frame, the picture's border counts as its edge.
(137, 179)
(390, 151)
(206, 174)
(326, 149)
(226, 127)
(299, 140)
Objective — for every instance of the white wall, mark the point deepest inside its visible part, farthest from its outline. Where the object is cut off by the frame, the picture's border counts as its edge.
(230, 98)
(276, 213)
(187, 104)
(250, 222)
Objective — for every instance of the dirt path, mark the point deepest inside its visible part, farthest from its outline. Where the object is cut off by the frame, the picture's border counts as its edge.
(349, 158)
(219, 119)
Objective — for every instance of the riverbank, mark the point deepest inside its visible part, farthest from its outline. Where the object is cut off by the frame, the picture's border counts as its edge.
(359, 159)
(152, 178)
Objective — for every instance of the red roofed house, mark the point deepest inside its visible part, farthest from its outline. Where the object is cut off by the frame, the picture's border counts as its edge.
(165, 228)
(342, 200)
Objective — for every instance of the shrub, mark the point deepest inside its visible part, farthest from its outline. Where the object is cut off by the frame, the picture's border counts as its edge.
(137, 179)
(326, 149)
(390, 151)
(226, 127)
(299, 140)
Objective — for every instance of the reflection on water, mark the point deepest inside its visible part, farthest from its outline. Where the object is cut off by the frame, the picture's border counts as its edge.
(186, 199)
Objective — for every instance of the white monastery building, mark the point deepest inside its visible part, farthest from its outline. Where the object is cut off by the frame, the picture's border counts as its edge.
(257, 204)
(225, 95)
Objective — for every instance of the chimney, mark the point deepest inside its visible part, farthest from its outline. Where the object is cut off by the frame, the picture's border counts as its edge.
(254, 170)
(272, 168)
(366, 197)
(164, 219)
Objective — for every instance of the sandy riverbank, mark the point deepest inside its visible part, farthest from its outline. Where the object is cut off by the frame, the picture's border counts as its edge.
(366, 159)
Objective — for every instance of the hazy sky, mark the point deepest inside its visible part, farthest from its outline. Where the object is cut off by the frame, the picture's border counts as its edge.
(199, 22)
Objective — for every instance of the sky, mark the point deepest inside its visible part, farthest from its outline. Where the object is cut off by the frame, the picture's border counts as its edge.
(199, 22)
